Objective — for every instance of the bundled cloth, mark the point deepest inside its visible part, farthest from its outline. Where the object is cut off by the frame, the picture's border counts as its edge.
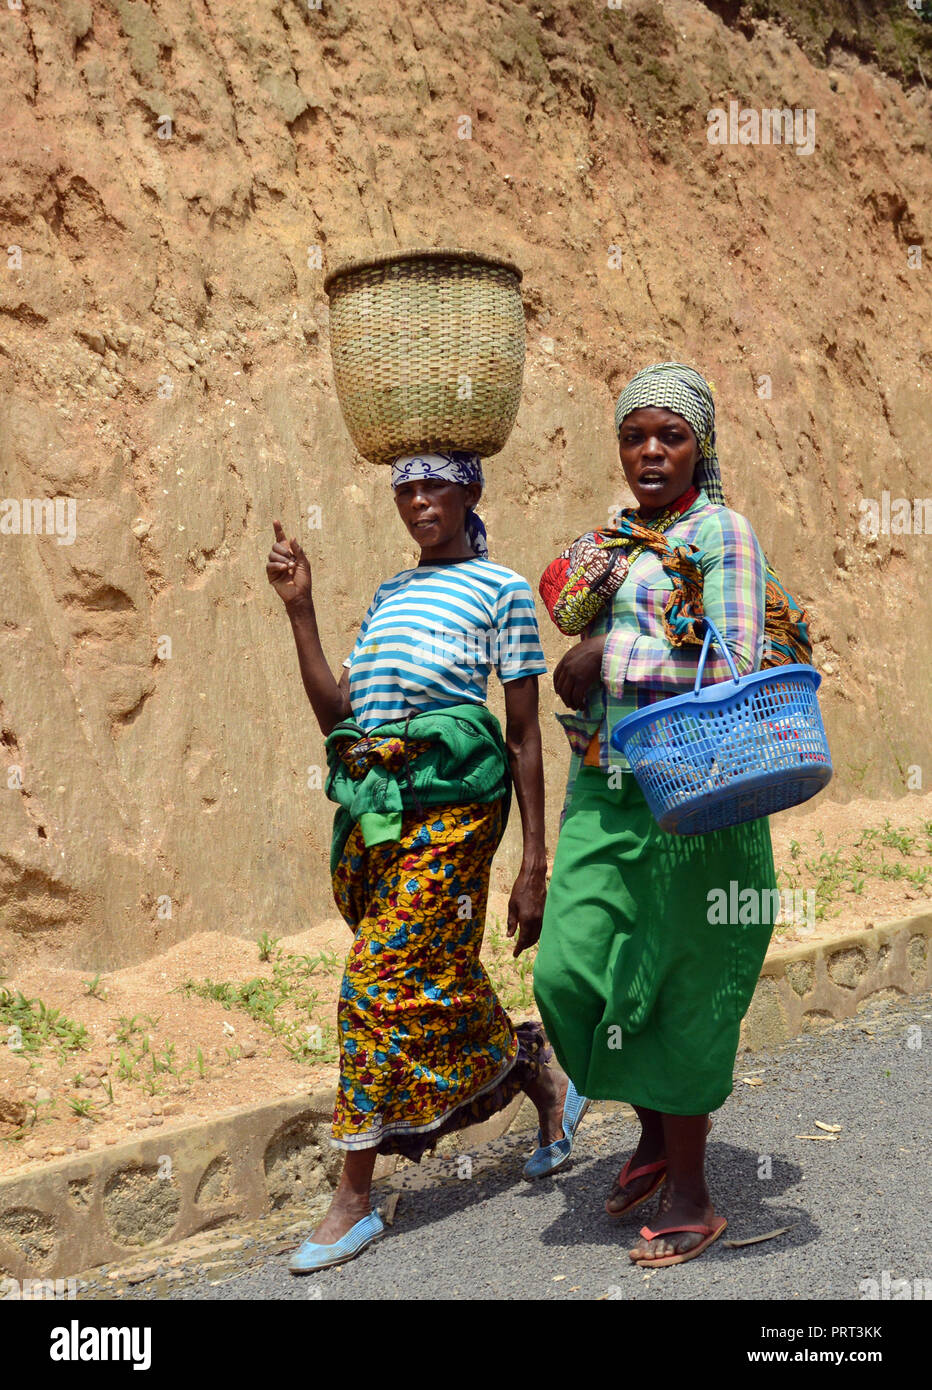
(577, 585)
(426, 1046)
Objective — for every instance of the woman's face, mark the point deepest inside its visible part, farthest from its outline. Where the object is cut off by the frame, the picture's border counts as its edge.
(434, 512)
(658, 452)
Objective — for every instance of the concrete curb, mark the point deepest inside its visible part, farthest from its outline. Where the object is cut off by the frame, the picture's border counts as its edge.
(809, 987)
(147, 1194)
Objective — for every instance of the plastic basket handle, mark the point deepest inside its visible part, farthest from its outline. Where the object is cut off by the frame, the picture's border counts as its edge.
(712, 631)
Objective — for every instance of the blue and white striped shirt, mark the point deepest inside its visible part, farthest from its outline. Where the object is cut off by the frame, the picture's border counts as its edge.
(432, 635)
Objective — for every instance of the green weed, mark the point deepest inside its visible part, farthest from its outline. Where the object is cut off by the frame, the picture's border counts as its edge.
(317, 1045)
(165, 1062)
(282, 1003)
(84, 1108)
(126, 1067)
(897, 839)
(127, 1028)
(834, 873)
(512, 979)
(33, 1025)
(34, 1119)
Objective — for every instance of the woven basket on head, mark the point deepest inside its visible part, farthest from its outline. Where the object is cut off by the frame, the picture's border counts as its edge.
(428, 351)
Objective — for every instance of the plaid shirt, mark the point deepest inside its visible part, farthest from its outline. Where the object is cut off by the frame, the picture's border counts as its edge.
(639, 666)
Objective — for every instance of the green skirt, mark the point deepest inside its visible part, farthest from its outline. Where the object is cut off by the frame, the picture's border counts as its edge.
(641, 983)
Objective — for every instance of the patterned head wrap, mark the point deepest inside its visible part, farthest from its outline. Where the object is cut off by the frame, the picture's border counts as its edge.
(453, 467)
(672, 386)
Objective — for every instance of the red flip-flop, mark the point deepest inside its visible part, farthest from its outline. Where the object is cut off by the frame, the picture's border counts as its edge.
(626, 1176)
(710, 1232)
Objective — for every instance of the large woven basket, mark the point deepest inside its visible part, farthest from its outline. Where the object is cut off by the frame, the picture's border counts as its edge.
(428, 351)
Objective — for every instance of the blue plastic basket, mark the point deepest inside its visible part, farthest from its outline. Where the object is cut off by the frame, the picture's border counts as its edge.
(735, 751)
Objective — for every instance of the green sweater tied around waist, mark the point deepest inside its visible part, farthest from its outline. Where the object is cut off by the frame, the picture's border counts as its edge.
(444, 757)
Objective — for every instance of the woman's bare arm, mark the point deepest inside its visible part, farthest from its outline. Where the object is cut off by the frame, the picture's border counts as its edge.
(525, 758)
(289, 572)
(329, 698)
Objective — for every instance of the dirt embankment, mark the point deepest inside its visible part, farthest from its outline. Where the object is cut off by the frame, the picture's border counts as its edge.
(172, 175)
(218, 1021)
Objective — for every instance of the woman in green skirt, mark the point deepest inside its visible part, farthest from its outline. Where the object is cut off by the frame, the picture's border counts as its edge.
(641, 984)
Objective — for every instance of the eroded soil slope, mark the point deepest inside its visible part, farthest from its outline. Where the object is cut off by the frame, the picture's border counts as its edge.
(171, 171)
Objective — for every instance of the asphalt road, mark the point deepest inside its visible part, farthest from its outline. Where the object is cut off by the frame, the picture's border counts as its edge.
(854, 1204)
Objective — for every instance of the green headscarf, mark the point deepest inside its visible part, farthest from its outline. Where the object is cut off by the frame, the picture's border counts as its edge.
(673, 386)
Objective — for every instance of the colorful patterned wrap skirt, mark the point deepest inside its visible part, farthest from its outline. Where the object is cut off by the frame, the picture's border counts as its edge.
(425, 1045)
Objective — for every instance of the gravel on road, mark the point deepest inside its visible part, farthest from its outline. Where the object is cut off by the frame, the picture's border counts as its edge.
(470, 1227)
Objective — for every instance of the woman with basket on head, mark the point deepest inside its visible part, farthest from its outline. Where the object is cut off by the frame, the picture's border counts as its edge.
(641, 988)
(423, 781)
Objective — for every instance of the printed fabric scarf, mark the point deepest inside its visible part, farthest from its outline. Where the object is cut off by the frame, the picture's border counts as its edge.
(457, 466)
(576, 585)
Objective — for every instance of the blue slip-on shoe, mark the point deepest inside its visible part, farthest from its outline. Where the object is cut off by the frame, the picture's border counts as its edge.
(311, 1256)
(547, 1160)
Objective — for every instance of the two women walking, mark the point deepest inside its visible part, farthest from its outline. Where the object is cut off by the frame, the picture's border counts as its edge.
(641, 998)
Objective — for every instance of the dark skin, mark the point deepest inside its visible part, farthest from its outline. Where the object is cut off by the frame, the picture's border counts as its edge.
(658, 452)
(434, 513)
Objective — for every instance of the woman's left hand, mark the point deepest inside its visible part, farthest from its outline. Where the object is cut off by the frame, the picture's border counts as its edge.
(526, 907)
(578, 671)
